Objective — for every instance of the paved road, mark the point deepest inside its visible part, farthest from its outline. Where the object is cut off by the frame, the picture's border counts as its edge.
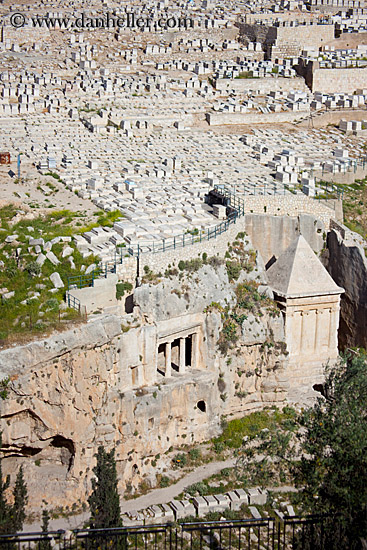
(157, 496)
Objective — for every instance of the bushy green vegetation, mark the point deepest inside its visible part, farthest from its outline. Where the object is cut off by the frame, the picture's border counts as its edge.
(248, 300)
(354, 205)
(34, 308)
(190, 458)
(121, 288)
(251, 425)
(191, 266)
(238, 259)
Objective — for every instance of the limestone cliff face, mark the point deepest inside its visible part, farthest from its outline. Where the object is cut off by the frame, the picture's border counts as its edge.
(107, 382)
(347, 264)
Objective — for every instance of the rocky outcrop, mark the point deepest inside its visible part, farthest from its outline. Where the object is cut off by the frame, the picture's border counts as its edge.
(347, 264)
(104, 382)
(191, 294)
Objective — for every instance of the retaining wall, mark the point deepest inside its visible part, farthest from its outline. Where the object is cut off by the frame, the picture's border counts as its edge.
(288, 205)
(219, 119)
(339, 80)
(262, 85)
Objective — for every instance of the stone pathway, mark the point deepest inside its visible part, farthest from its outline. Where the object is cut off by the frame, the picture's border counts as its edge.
(157, 496)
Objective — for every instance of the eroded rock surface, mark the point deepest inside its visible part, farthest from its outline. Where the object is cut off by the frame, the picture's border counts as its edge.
(111, 382)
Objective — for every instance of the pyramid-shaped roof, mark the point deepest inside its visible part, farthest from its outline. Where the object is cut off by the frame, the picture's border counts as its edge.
(298, 272)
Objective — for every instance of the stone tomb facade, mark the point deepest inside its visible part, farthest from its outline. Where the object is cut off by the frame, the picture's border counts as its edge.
(310, 302)
(178, 350)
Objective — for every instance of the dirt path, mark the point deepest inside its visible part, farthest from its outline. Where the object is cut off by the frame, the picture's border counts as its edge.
(157, 496)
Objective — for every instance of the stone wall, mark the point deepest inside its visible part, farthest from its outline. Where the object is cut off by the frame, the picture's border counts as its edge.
(305, 35)
(262, 85)
(290, 205)
(288, 40)
(271, 235)
(221, 119)
(339, 80)
(320, 119)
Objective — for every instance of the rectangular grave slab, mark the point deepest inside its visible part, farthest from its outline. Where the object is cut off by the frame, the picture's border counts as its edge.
(189, 508)
(256, 496)
(235, 501)
(178, 509)
(242, 496)
(223, 501)
(213, 504)
(168, 512)
(201, 506)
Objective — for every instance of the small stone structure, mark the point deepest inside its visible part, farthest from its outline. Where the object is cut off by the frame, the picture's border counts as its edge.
(310, 302)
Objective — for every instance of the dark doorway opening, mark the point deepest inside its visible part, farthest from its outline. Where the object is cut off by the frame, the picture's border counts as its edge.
(201, 405)
(161, 366)
(188, 350)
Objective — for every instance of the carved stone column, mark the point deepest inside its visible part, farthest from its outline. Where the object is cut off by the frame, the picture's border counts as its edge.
(195, 350)
(168, 360)
(182, 360)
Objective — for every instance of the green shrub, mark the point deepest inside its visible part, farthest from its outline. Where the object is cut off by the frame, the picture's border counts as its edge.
(251, 425)
(180, 460)
(33, 269)
(121, 288)
(52, 304)
(233, 270)
(194, 454)
(200, 488)
(165, 481)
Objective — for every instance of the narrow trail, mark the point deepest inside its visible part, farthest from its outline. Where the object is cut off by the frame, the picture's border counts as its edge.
(156, 496)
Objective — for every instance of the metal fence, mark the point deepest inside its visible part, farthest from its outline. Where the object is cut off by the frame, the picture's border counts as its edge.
(293, 533)
(82, 281)
(180, 241)
(73, 302)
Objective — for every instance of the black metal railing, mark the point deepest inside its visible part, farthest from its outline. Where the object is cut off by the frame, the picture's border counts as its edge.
(183, 240)
(291, 533)
(72, 302)
(82, 280)
(37, 540)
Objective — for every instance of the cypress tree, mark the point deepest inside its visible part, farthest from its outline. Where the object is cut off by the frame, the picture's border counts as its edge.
(20, 501)
(45, 544)
(5, 512)
(104, 502)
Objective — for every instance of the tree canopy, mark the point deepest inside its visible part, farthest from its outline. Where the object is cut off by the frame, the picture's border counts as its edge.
(12, 516)
(104, 502)
(323, 450)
